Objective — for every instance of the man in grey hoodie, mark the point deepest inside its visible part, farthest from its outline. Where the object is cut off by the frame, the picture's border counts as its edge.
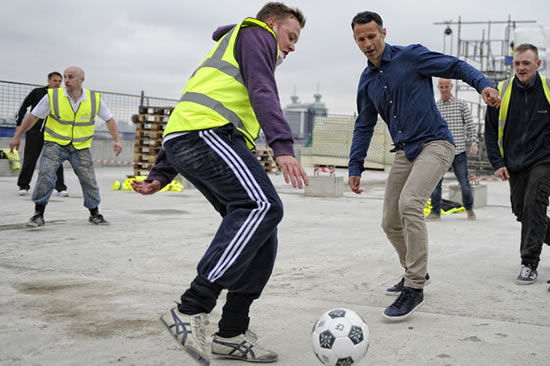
(208, 139)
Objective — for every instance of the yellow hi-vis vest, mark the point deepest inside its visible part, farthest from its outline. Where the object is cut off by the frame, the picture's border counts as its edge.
(64, 126)
(505, 91)
(216, 95)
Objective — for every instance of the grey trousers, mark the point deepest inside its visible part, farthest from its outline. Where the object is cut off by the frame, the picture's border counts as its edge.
(408, 188)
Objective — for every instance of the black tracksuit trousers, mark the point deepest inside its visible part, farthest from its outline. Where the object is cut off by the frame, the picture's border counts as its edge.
(529, 192)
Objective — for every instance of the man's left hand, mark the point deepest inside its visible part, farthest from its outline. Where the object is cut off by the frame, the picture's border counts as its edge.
(474, 149)
(491, 97)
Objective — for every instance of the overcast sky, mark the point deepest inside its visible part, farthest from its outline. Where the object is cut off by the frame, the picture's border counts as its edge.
(132, 45)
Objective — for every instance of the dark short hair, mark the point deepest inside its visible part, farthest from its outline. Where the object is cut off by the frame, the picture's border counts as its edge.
(280, 12)
(367, 17)
(54, 73)
(527, 47)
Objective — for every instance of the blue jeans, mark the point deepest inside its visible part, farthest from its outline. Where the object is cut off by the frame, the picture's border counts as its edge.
(241, 255)
(460, 168)
(53, 155)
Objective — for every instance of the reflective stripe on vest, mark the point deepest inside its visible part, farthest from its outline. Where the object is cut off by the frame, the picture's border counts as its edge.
(216, 94)
(505, 92)
(64, 126)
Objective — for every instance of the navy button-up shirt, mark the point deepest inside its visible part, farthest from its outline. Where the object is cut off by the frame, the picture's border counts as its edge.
(401, 91)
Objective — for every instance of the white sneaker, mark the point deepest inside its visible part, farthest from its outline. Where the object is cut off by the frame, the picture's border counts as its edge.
(22, 192)
(243, 347)
(63, 193)
(189, 331)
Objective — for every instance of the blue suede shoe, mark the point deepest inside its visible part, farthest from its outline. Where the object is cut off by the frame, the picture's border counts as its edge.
(408, 301)
(398, 287)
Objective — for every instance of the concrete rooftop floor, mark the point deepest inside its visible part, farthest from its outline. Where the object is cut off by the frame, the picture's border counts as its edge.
(72, 293)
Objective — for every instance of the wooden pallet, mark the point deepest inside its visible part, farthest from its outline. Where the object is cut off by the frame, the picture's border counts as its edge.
(166, 111)
(145, 158)
(141, 165)
(149, 150)
(150, 126)
(153, 118)
(138, 171)
(265, 159)
(148, 134)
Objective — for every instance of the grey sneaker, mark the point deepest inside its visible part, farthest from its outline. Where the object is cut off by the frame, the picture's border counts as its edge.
(189, 331)
(98, 219)
(243, 347)
(527, 275)
(432, 217)
(36, 221)
(63, 193)
(398, 287)
(471, 215)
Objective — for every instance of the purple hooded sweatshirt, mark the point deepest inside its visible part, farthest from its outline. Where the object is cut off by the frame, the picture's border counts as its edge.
(256, 53)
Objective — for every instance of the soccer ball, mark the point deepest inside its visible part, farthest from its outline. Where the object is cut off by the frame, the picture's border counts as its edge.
(340, 338)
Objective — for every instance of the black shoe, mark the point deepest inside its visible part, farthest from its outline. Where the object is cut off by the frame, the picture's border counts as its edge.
(98, 219)
(408, 301)
(36, 221)
(398, 287)
(527, 275)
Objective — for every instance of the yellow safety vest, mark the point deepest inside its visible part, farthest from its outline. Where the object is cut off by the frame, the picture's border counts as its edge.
(216, 95)
(13, 158)
(505, 92)
(64, 126)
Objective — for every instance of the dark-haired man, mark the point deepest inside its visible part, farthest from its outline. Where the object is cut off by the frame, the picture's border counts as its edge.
(231, 95)
(34, 138)
(517, 136)
(397, 84)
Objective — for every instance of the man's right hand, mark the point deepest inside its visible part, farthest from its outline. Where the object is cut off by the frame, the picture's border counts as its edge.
(355, 184)
(14, 143)
(146, 188)
(502, 173)
(292, 171)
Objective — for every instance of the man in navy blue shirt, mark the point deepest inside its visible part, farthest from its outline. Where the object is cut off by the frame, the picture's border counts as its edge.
(397, 84)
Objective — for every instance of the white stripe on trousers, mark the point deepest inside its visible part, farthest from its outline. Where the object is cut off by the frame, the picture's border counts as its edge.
(256, 216)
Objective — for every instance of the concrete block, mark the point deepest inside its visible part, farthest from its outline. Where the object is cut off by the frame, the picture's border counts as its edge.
(5, 168)
(325, 186)
(478, 190)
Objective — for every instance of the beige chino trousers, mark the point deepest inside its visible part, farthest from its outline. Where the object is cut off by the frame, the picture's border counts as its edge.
(409, 185)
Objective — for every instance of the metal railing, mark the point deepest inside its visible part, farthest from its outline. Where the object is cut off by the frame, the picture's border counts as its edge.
(122, 105)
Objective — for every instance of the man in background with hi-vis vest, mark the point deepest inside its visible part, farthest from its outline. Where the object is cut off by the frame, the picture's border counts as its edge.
(230, 96)
(517, 136)
(68, 133)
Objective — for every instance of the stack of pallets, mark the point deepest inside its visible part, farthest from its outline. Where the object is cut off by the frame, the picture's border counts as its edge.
(149, 129)
(265, 158)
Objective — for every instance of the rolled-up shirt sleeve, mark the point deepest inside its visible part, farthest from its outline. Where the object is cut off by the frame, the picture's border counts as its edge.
(362, 134)
(104, 113)
(42, 109)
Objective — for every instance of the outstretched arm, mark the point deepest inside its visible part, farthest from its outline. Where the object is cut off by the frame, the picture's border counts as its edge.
(113, 130)
(29, 121)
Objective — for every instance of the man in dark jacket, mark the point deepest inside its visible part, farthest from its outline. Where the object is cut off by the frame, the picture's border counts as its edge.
(208, 139)
(34, 138)
(517, 136)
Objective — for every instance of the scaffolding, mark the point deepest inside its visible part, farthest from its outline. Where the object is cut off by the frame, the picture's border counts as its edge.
(491, 53)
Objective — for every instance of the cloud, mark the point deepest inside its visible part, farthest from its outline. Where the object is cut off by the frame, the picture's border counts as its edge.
(129, 46)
